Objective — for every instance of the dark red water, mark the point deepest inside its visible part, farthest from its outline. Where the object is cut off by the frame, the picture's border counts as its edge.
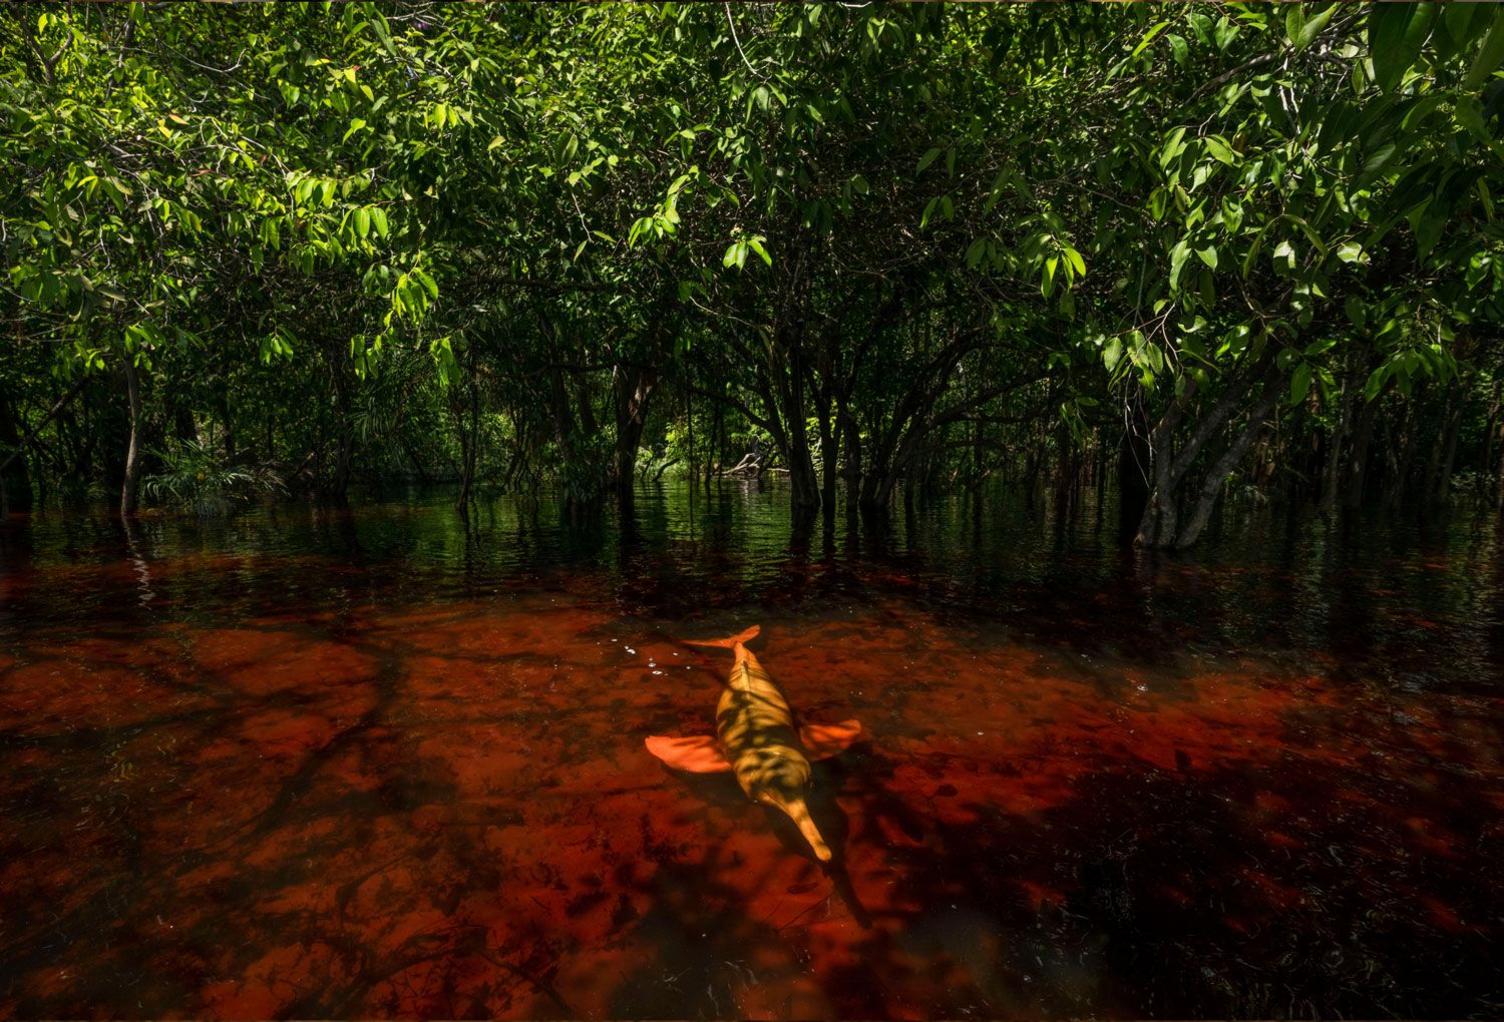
(377, 764)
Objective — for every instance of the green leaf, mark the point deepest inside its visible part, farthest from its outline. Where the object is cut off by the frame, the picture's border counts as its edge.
(1178, 255)
(1148, 38)
(1174, 146)
(1158, 201)
(1284, 256)
(1300, 383)
(930, 156)
(1396, 33)
(1305, 33)
(1378, 160)
(1112, 353)
(1224, 33)
(756, 245)
(1295, 21)
(1490, 54)
(1219, 149)
(1179, 50)
(1077, 263)
(974, 253)
(1208, 256)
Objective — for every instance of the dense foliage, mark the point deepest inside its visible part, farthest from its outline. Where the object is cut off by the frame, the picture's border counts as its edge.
(882, 248)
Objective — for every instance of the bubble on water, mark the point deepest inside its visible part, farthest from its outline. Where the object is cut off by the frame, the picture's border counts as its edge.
(629, 649)
(657, 672)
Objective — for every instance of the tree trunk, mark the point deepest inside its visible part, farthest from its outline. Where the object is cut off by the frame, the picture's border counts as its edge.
(828, 456)
(1160, 524)
(804, 485)
(851, 450)
(1357, 458)
(1499, 478)
(1154, 456)
(716, 447)
(1451, 421)
(15, 476)
(1490, 431)
(1402, 462)
(469, 433)
(341, 380)
(1216, 478)
(1331, 482)
(1136, 459)
(130, 486)
(632, 387)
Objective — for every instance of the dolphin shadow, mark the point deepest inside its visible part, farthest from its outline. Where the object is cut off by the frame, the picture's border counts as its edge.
(828, 815)
(836, 828)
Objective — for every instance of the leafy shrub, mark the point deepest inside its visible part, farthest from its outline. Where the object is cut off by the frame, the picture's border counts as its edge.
(195, 476)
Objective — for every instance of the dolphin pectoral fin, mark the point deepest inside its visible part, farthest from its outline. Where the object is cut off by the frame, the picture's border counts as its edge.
(697, 755)
(823, 741)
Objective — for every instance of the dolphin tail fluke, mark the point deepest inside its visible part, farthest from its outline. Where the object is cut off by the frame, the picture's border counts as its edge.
(731, 641)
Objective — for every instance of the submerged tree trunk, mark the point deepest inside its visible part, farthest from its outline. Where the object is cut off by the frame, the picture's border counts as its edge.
(1160, 527)
(131, 485)
(341, 381)
(1357, 459)
(1135, 463)
(1159, 522)
(716, 445)
(15, 476)
(468, 420)
(632, 388)
(1331, 479)
(1490, 430)
(1402, 462)
(1438, 482)
(1216, 478)
(828, 469)
(804, 484)
(851, 450)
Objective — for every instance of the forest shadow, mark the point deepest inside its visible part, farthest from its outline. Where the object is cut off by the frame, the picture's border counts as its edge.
(1163, 893)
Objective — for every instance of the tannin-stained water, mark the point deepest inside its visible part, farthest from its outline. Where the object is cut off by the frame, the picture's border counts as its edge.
(386, 763)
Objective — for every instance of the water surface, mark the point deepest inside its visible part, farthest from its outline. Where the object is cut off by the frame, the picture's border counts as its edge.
(386, 763)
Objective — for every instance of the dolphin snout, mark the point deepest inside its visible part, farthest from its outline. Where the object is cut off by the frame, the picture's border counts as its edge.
(797, 810)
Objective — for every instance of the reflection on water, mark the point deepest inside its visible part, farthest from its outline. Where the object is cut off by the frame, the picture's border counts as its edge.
(387, 762)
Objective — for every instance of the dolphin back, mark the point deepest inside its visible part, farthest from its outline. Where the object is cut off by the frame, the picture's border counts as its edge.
(730, 641)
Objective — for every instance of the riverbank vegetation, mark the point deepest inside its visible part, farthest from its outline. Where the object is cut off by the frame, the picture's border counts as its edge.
(881, 249)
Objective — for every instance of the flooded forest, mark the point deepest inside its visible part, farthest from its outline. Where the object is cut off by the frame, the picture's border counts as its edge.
(845, 510)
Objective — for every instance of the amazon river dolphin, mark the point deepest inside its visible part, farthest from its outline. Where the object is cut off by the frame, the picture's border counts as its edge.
(756, 738)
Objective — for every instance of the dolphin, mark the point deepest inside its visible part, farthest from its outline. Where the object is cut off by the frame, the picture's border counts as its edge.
(757, 739)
